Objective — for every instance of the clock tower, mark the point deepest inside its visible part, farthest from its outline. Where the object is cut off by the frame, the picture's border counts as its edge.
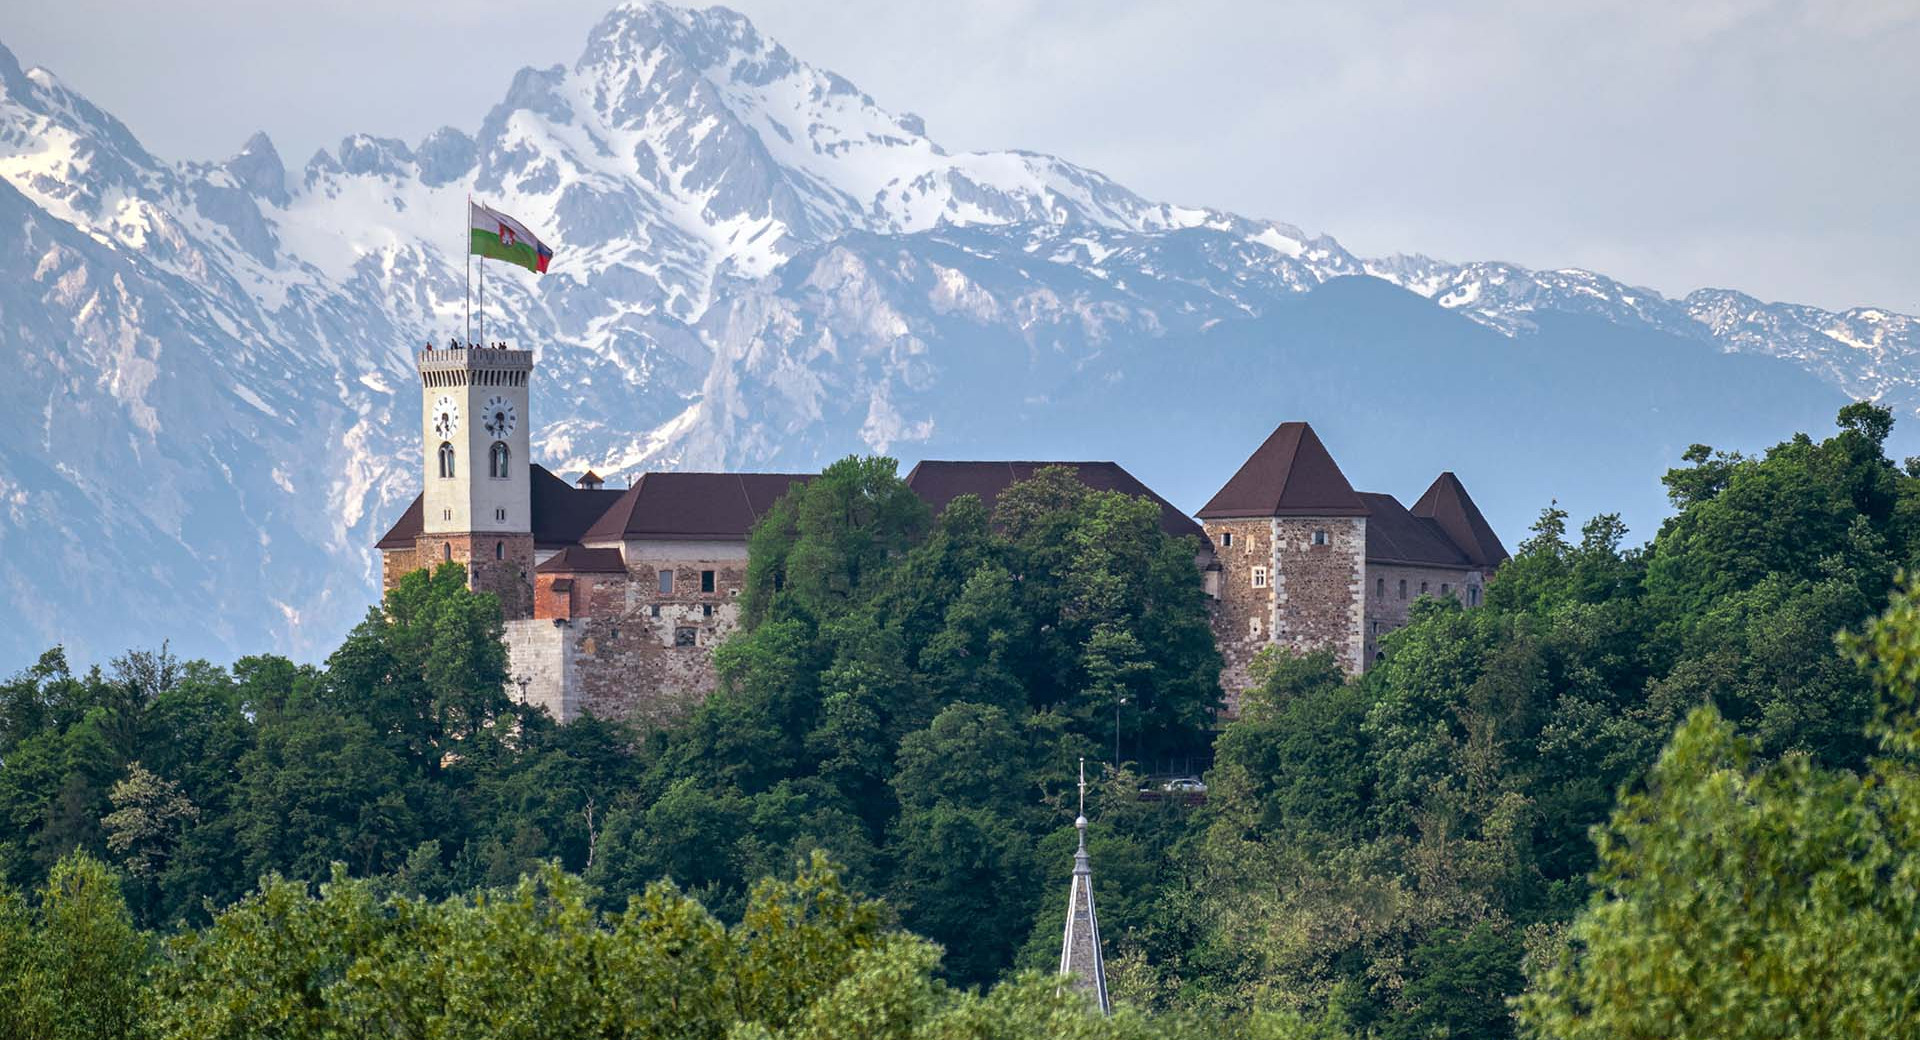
(476, 506)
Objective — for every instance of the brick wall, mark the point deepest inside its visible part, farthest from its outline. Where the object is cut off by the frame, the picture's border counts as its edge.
(1239, 547)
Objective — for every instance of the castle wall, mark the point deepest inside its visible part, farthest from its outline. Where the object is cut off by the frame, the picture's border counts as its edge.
(538, 652)
(1387, 605)
(498, 563)
(1277, 587)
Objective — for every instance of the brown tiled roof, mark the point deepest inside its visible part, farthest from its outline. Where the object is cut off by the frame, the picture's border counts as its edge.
(561, 513)
(939, 482)
(1397, 536)
(692, 506)
(1289, 475)
(578, 559)
(1449, 506)
(405, 529)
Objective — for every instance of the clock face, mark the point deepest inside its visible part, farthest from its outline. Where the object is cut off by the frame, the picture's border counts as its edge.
(446, 417)
(498, 418)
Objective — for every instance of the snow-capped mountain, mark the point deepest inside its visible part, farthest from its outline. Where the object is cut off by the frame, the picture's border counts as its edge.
(211, 413)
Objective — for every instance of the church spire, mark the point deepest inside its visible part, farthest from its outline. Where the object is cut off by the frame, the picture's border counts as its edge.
(1080, 960)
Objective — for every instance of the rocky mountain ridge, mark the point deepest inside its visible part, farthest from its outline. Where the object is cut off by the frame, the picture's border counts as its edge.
(757, 266)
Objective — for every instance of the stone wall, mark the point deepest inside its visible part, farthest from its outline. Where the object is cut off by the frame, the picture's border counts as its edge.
(1319, 595)
(498, 563)
(1278, 587)
(540, 666)
(1387, 606)
(1243, 612)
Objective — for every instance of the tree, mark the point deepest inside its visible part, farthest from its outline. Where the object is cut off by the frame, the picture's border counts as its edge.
(1750, 897)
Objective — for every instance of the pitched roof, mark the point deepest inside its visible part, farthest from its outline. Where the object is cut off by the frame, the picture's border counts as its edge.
(938, 482)
(561, 513)
(1397, 536)
(1449, 506)
(578, 559)
(1291, 474)
(691, 506)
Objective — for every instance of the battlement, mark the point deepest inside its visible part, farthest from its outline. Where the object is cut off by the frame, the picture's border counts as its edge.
(479, 366)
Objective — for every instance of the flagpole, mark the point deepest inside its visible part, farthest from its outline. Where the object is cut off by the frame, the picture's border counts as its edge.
(466, 335)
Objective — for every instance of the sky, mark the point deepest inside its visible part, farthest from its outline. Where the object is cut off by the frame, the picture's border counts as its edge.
(1763, 145)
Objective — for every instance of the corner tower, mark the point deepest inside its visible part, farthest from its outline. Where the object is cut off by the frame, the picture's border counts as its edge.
(476, 501)
(1290, 536)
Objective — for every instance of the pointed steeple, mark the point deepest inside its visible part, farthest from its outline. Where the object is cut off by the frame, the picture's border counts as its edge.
(1081, 963)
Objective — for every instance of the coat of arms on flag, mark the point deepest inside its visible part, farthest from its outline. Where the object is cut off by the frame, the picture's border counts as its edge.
(495, 235)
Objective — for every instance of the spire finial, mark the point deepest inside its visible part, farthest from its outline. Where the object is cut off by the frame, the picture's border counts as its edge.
(1080, 823)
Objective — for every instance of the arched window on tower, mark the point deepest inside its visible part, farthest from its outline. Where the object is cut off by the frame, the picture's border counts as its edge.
(446, 460)
(498, 459)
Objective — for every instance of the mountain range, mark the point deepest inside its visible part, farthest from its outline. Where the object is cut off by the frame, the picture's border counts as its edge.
(212, 412)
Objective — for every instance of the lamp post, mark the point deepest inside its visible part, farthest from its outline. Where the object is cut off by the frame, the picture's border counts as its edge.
(524, 681)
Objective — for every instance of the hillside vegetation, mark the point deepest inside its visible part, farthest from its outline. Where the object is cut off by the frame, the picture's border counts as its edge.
(1642, 792)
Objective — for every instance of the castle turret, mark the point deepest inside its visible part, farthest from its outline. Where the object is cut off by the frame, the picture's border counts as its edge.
(476, 502)
(1290, 536)
(1081, 965)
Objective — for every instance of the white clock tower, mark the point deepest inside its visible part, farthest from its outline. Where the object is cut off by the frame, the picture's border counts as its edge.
(476, 508)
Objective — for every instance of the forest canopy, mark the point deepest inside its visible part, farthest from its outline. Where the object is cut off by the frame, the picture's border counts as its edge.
(1520, 815)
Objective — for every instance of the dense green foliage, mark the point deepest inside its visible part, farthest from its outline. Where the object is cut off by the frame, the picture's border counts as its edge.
(1394, 855)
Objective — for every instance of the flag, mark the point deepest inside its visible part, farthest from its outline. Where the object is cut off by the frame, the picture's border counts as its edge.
(499, 237)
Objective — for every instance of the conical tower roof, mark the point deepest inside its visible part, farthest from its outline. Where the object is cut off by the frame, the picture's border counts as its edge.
(1447, 504)
(1081, 965)
(1291, 474)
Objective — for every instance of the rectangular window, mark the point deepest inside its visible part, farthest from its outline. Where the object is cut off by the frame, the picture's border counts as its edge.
(1446, 589)
(1259, 577)
(1226, 539)
(706, 610)
(1473, 595)
(1423, 588)
(654, 610)
(685, 637)
(706, 581)
(1403, 588)
(666, 583)
(1380, 587)
(1319, 537)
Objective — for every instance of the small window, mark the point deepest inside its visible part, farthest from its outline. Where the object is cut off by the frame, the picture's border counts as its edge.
(1226, 539)
(1320, 537)
(1380, 588)
(654, 610)
(612, 634)
(1403, 588)
(1259, 577)
(499, 550)
(666, 583)
(1423, 588)
(446, 551)
(446, 461)
(1446, 589)
(1473, 595)
(500, 515)
(706, 610)
(685, 637)
(499, 461)
(446, 514)
(706, 581)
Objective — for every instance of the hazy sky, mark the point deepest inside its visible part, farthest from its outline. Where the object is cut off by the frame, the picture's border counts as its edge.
(1772, 147)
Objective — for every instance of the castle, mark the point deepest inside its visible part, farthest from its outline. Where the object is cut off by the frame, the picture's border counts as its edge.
(614, 598)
